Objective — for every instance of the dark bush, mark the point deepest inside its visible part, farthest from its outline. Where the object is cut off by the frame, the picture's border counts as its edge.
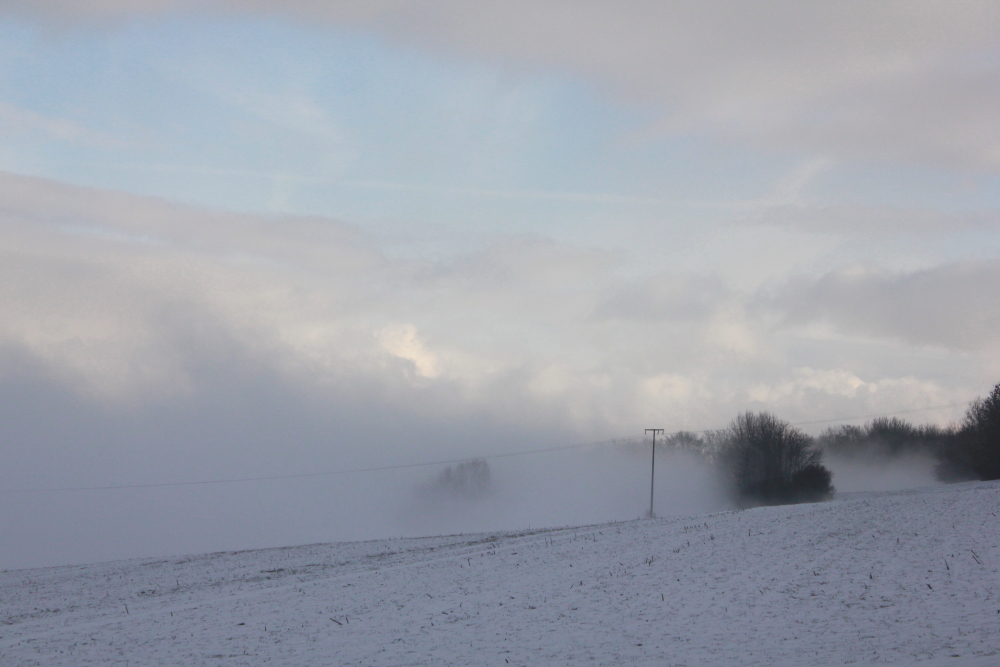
(812, 484)
(952, 465)
(769, 462)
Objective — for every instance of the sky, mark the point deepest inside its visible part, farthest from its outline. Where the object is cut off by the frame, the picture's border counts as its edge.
(260, 238)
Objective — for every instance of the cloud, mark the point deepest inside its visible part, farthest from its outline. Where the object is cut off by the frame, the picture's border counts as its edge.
(133, 300)
(665, 297)
(872, 220)
(401, 341)
(113, 288)
(144, 342)
(15, 120)
(127, 298)
(954, 306)
(148, 341)
(910, 82)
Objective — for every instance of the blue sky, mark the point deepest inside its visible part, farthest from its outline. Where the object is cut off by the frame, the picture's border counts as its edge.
(491, 226)
(269, 116)
(325, 115)
(338, 123)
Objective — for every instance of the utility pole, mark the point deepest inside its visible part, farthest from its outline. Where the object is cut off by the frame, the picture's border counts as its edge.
(652, 470)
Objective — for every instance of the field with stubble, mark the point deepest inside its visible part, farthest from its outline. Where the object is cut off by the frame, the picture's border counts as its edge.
(896, 578)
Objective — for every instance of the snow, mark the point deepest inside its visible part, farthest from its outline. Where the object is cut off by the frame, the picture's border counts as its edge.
(900, 578)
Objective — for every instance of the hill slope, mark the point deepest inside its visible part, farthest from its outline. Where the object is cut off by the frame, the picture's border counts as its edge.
(908, 578)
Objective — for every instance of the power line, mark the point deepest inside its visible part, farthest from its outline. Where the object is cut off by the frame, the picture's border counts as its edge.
(310, 474)
(350, 471)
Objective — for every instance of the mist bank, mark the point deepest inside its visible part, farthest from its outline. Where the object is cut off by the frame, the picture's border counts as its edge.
(147, 342)
(284, 430)
(575, 487)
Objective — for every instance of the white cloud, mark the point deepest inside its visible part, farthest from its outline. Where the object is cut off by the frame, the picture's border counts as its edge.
(400, 340)
(835, 382)
(132, 299)
(910, 82)
(144, 342)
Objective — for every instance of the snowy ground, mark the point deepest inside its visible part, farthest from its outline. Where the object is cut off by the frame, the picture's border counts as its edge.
(905, 578)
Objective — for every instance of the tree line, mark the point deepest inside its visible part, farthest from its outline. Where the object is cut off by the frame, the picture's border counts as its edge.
(767, 461)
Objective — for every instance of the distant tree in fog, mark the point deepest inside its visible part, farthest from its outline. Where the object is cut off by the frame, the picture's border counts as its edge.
(769, 462)
(467, 481)
(844, 439)
(684, 441)
(893, 433)
(884, 437)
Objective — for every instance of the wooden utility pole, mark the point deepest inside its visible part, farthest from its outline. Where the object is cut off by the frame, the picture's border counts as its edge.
(652, 470)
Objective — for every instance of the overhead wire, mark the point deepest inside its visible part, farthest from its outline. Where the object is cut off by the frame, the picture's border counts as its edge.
(402, 466)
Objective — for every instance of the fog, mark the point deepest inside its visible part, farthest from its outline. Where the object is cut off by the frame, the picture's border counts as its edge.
(148, 343)
(237, 425)
(556, 489)
(598, 484)
(876, 473)
(247, 244)
(75, 443)
(246, 419)
(279, 434)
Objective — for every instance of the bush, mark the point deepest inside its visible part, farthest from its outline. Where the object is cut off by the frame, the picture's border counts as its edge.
(812, 484)
(974, 452)
(769, 462)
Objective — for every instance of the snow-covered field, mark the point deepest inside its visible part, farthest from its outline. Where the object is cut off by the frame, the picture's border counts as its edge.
(906, 578)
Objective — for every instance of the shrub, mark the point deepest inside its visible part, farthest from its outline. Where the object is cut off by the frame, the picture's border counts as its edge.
(769, 462)
(812, 484)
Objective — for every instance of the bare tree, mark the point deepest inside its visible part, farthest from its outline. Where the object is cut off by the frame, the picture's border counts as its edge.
(884, 437)
(974, 452)
(770, 462)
